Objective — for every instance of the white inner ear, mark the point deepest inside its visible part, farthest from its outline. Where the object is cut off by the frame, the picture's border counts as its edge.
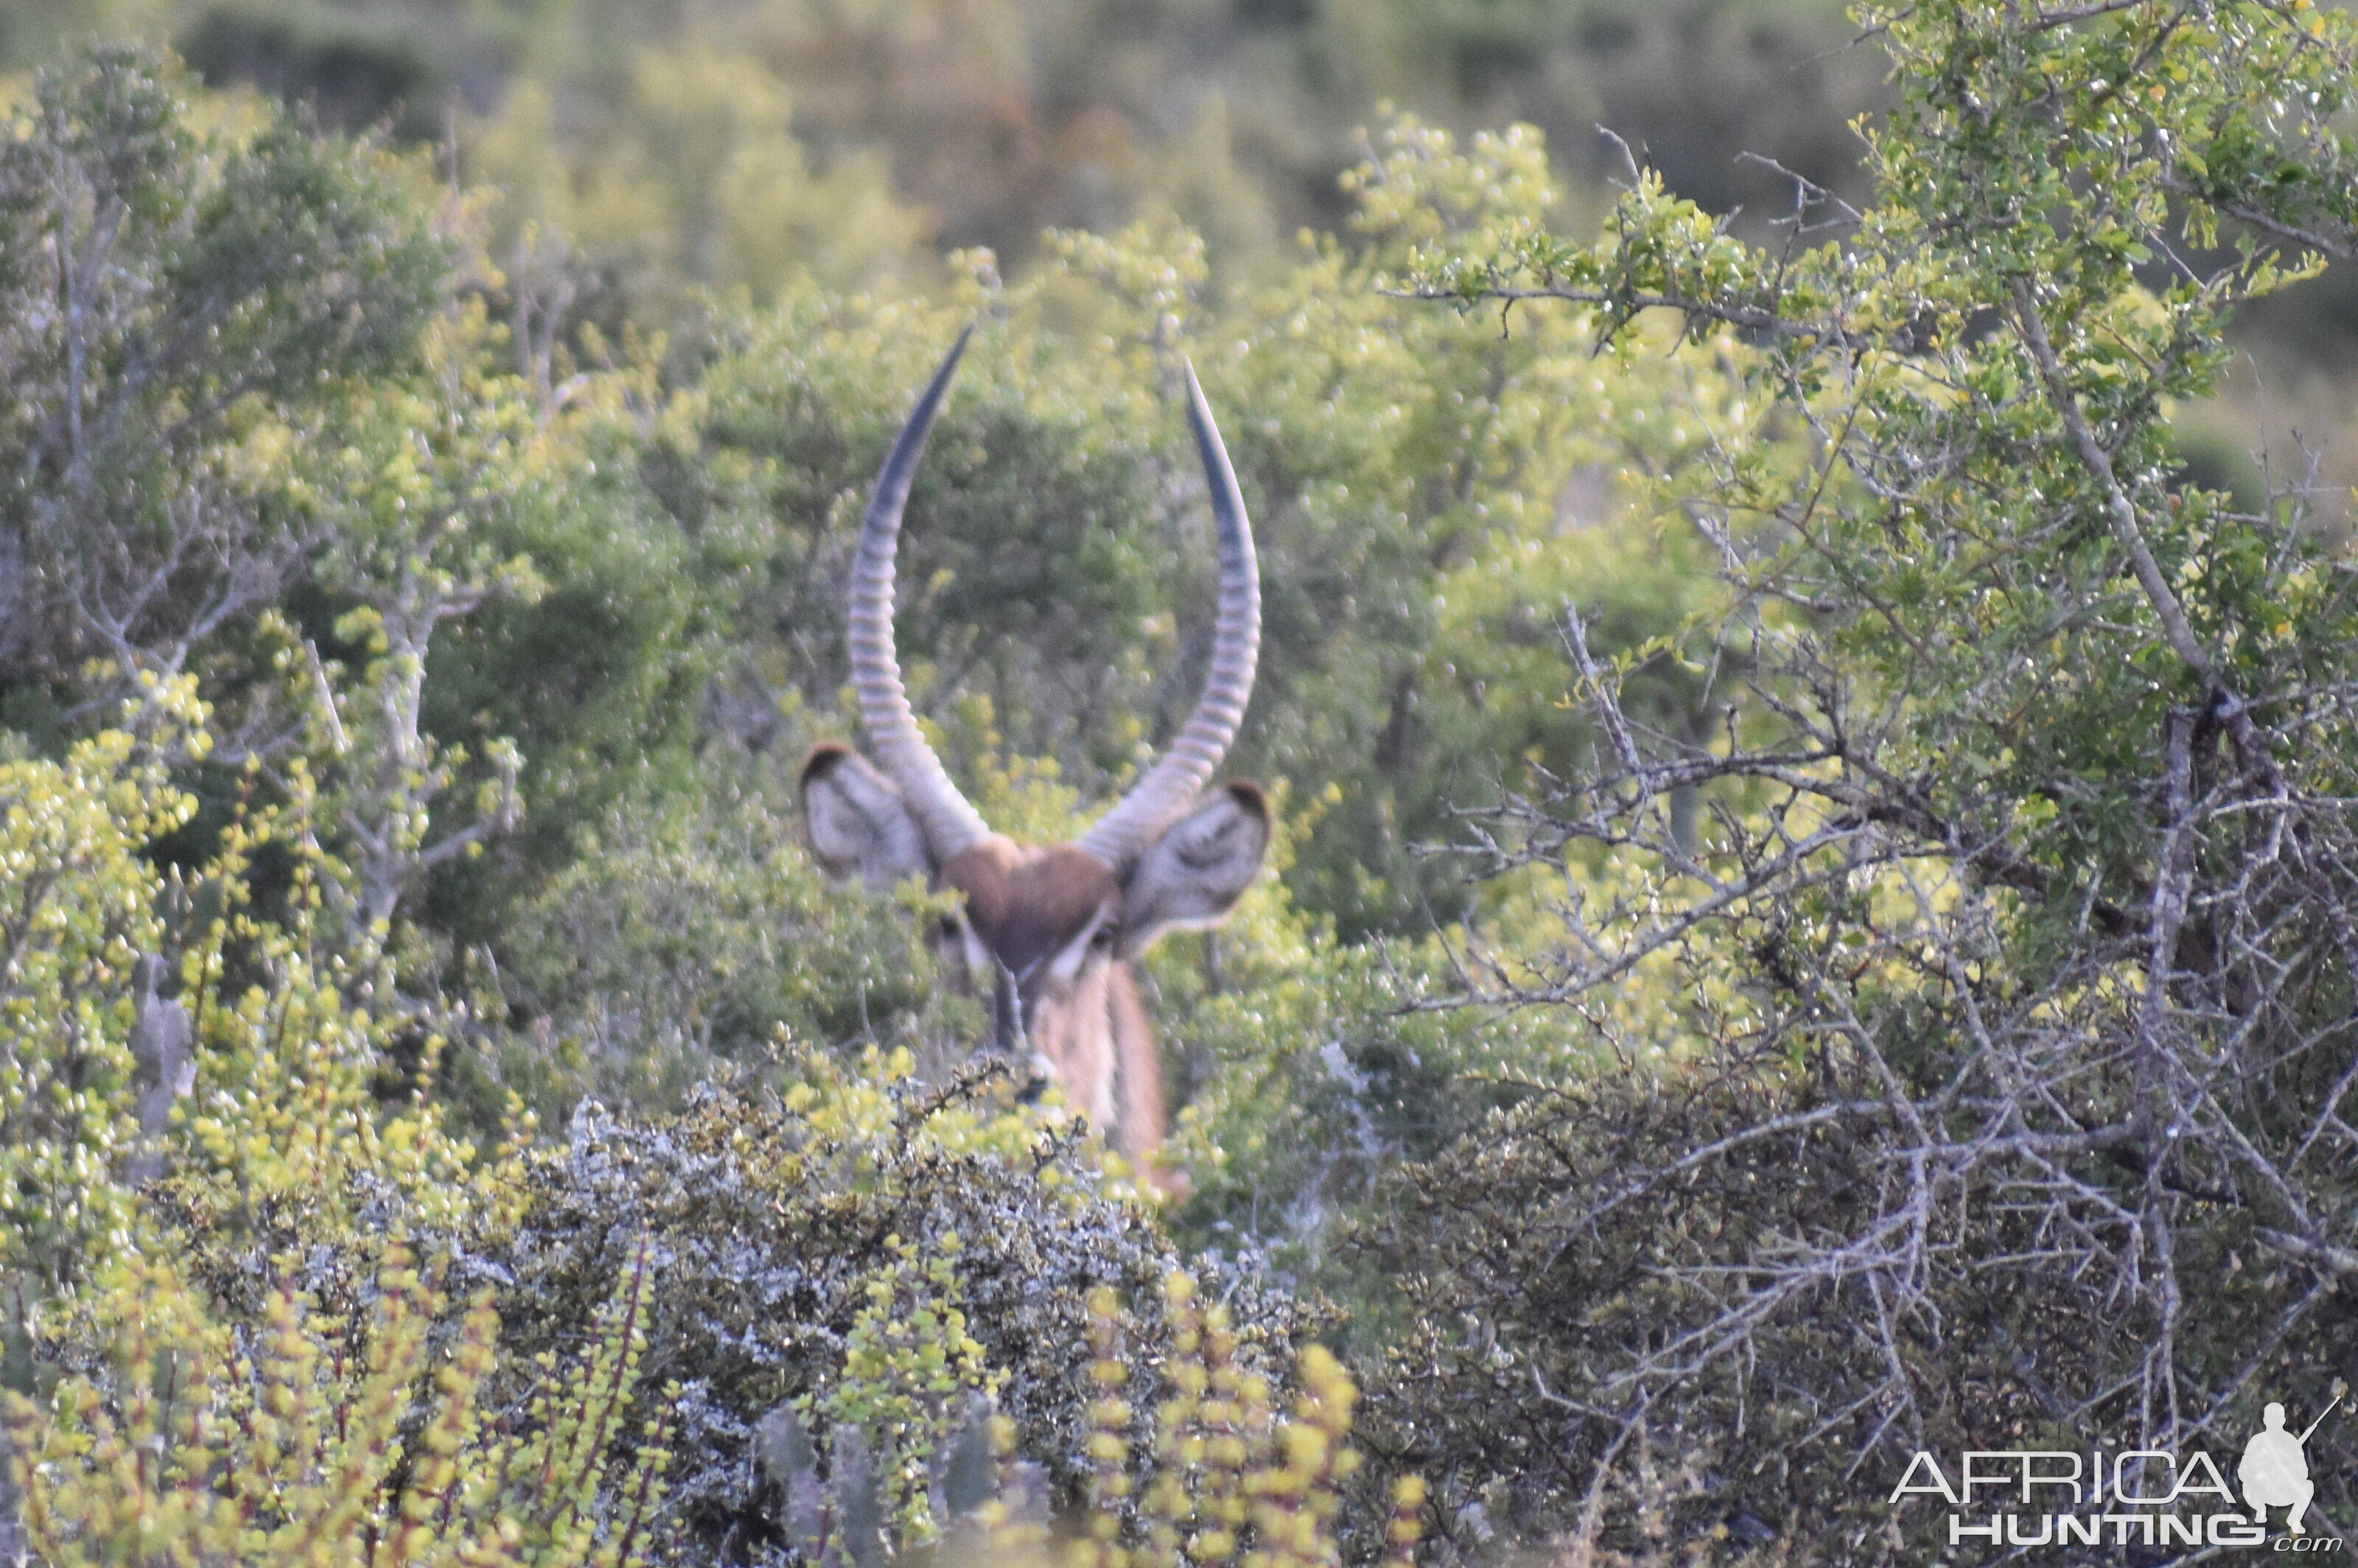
(860, 826)
(1195, 872)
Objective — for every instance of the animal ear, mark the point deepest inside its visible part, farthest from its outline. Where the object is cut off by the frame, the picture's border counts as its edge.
(858, 824)
(1195, 873)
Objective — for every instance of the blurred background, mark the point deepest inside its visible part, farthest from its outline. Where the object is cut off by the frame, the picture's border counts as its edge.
(736, 145)
(983, 122)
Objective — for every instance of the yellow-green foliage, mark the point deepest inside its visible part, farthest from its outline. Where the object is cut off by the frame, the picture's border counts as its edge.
(205, 1420)
(806, 1239)
(77, 909)
(910, 1369)
(285, 1043)
(1227, 1484)
(1230, 1484)
(692, 176)
(250, 1366)
(295, 1441)
(689, 937)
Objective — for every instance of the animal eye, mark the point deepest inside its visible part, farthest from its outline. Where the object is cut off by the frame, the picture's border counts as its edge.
(1101, 937)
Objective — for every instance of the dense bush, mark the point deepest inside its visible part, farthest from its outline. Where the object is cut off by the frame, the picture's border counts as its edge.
(287, 1439)
(1998, 1093)
(688, 935)
(236, 1289)
(771, 1220)
(174, 307)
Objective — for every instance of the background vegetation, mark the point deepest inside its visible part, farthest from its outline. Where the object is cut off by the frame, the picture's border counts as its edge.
(1812, 916)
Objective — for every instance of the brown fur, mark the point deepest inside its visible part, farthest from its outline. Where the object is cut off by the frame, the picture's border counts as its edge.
(1038, 910)
(1026, 903)
(1068, 1025)
(1138, 1068)
(821, 758)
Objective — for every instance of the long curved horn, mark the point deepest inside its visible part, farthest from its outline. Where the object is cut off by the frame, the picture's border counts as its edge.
(1169, 788)
(947, 821)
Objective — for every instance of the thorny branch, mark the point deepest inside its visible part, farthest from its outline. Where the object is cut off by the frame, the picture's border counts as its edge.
(2120, 1130)
(2102, 1122)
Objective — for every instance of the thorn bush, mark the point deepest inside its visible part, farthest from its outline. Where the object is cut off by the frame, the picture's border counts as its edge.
(873, 1252)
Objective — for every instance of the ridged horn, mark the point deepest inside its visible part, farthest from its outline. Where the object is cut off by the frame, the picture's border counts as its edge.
(948, 822)
(1170, 787)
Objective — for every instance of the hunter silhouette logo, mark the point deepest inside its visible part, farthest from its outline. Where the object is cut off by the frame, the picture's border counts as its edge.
(2275, 1471)
(2161, 1497)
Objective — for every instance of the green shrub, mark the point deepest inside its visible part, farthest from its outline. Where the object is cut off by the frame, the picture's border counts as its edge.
(79, 910)
(692, 930)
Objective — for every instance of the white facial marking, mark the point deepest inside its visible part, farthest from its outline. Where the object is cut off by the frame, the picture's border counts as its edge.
(1070, 958)
(978, 956)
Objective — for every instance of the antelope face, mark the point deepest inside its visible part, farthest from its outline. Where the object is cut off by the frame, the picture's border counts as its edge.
(1048, 930)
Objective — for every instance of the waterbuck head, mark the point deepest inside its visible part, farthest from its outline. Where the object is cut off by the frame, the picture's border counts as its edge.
(1048, 930)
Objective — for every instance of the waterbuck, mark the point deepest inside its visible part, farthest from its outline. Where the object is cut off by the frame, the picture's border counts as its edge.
(1049, 931)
